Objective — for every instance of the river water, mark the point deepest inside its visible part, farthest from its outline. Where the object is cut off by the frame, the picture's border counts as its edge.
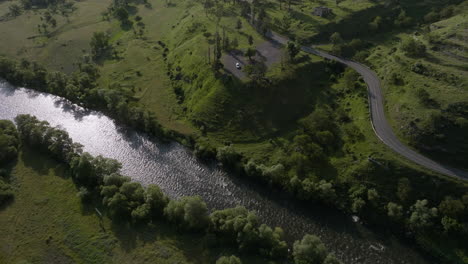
(179, 173)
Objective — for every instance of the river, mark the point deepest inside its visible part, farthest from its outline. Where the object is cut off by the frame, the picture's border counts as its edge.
(179, 173)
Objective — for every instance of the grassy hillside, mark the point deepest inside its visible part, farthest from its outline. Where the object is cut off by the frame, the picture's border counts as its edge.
(47, 223)
(426, 95)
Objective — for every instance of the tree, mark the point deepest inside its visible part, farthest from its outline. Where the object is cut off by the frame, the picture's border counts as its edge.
(421, 215)
(15, 10)
(229, 260)
(99, 43)
(83, 170)
(228, 156)
(6, 192)
(375, 24)
(403, 189)
(293, 50)
(238, 24)
(250, 52)
(412, 47)
(372, 195)
(394, 210)
(9, 141)
(156, 200)
(336, 39)
(234, 43)
(122, 14)
(309, 250)
(451, 207)
(188, 212)
(403, 20)
(331, 259)
(250, 39)
(236, 225)
(256, 71)
(451, 225)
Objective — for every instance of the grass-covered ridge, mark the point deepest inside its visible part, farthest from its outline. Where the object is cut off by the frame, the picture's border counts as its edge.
(426, 93)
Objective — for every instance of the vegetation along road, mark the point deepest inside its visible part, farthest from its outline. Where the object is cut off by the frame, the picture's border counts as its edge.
(379, 123)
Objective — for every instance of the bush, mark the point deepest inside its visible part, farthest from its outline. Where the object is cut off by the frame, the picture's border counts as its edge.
(6, 193)
(309, 250)
(229, 260)
(238, 225)
(414, 48)
(188, 213)
(228, 156)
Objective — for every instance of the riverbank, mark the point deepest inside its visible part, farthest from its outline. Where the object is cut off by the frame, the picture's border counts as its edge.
(47, 223)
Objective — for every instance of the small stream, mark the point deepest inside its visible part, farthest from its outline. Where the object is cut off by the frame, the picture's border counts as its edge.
(179, 173)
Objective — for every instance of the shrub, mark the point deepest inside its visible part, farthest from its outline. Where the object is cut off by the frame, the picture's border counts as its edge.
(188, 213)
(309, 250)
(414, 48)
(229, 260)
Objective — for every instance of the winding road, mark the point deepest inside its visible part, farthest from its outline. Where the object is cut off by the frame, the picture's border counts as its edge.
(380, 125)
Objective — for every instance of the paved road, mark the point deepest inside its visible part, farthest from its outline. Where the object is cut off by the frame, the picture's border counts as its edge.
(376, 107)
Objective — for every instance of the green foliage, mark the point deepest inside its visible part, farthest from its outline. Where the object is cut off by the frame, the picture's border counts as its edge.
(6, 192)
(15, 10)
(228, 156)
(331, 259)
(81, 87)
(293, 49)
(156, 200)
(451, 226)
(8, 141)
(238, 225)
(256, 71)
(100, 44)
(250, 52)
(188, 213)
(229, 260)
(413, 47)
(403, 189)
(336, 38)
(84, 195)
(309, 250)
(394, 210)
(421, 215)
(451, 207)
(90, 171)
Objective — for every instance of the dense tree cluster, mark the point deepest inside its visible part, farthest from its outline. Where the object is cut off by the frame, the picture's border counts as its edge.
(239, 226)
(9, 142)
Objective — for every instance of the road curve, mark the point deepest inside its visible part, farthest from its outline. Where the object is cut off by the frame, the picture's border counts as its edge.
(376, 107)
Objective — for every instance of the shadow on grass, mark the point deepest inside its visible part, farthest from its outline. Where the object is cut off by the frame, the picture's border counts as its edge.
(34, 159)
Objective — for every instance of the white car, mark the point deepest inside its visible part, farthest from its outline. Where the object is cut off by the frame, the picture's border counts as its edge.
(238, 66)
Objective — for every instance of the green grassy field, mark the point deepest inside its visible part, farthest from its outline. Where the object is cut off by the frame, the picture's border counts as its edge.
(47, 223)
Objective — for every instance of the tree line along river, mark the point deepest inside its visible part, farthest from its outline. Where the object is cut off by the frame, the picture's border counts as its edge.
(179, 173)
